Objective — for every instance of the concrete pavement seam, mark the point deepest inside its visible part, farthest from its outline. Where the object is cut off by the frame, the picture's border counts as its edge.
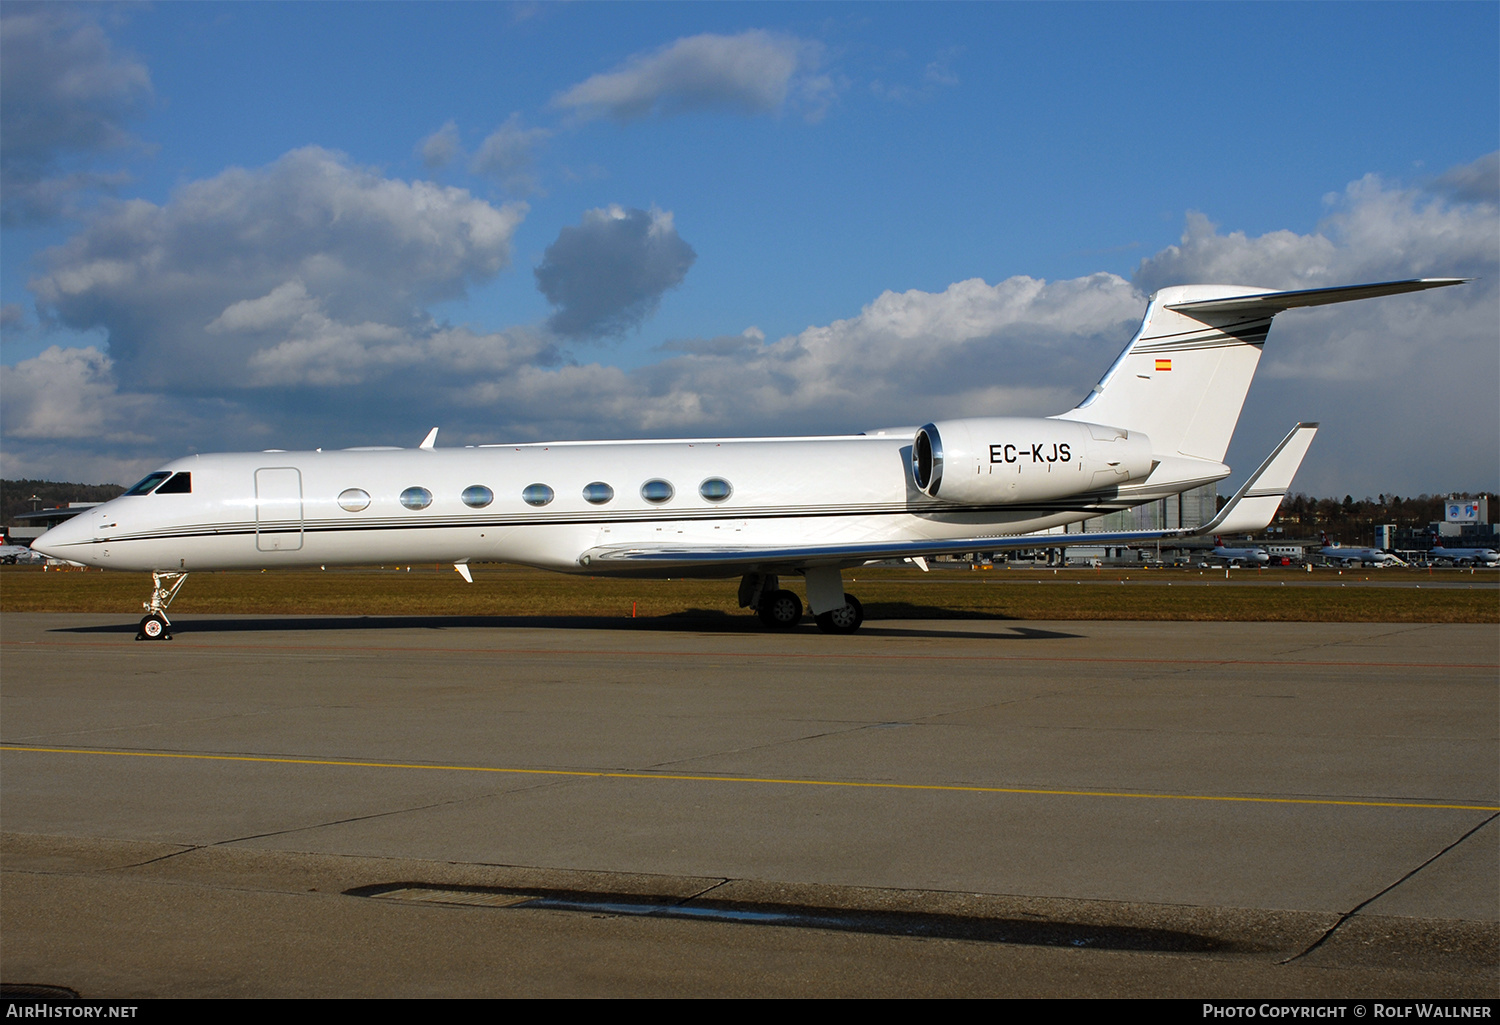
(1346, 916)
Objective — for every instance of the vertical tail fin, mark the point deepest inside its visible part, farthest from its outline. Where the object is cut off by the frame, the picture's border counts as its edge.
(1182, 379)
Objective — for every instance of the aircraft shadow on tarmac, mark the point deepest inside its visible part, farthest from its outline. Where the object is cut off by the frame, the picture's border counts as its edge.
(895, 923)
(687, 621)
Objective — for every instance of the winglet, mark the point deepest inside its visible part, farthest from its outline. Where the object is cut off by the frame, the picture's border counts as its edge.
(1253, 506)
(430, 440)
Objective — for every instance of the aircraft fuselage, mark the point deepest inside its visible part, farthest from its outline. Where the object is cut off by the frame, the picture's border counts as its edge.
(546, 504)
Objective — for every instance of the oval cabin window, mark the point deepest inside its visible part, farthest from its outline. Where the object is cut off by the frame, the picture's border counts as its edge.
(657, 491)
(354, 500)
(416, 498)
(597, 493)
(477, 496)
(536, 494)
(715, 489)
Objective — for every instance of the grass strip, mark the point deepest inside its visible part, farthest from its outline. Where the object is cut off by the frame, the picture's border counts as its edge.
(1325, 596)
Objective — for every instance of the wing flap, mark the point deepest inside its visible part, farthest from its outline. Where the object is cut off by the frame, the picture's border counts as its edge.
(803, 556)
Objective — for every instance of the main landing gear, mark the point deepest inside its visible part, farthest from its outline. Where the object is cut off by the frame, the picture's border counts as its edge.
(843, 620)
(156, 626)
(834, 610)
(780, 610)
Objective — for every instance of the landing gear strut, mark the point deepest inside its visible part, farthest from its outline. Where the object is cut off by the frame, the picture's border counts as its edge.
(156, 626)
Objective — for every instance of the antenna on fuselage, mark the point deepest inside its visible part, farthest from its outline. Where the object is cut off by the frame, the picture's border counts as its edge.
(430, 440)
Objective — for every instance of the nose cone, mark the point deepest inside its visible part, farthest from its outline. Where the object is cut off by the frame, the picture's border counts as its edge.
(66, 540)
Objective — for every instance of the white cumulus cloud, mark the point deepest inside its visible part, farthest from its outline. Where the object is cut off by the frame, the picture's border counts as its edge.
(506, 155)
(70, 393)
(755, 72)
(308, 247)
(1474, 182)
(66, 95)
(441, 147)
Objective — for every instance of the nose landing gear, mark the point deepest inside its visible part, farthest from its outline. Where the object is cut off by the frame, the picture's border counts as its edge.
(155, 626)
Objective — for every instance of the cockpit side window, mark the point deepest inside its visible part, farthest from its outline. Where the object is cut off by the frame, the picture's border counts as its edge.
(148, 483)
(180, 484)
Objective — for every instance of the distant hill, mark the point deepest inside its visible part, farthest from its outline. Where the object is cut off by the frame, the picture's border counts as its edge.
(15, 495)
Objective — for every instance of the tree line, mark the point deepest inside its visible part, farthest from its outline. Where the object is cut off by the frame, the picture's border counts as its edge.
(1354, 521)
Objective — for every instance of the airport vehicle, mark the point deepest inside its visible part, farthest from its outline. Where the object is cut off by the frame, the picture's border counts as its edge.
(1239, 556)
(1465, 556)
(1349, 557)
(1158, 423)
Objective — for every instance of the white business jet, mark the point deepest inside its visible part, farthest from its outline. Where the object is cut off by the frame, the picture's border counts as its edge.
(1157, 424)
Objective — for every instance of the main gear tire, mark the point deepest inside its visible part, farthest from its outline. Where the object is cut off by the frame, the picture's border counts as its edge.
(781, 610)
(843, 620)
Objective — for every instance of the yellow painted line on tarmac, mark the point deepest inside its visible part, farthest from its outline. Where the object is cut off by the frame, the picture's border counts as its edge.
(767, 780)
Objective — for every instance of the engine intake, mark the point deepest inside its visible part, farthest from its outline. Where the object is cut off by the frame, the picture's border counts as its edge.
(1002, 460)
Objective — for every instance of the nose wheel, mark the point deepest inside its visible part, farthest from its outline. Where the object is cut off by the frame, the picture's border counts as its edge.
(154, 627)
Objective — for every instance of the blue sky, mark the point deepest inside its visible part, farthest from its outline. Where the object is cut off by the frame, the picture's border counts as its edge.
(286, 225)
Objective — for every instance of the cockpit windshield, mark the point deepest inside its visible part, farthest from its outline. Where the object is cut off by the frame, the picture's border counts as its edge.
(147, 483)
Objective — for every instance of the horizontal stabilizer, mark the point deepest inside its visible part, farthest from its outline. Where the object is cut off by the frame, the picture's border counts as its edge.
(1271, 303)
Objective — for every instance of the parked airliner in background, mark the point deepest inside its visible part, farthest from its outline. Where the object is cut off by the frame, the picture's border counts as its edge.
(1465, 556)
(1157, 424)
(1349, 557)
(1239, 556)
(11, 554)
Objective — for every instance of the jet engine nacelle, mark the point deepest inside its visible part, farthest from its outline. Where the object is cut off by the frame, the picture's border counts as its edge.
(989, 460)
